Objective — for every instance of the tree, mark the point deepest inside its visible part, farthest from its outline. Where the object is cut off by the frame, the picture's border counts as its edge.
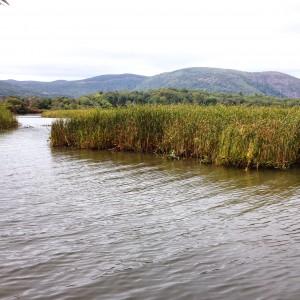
(2, 2)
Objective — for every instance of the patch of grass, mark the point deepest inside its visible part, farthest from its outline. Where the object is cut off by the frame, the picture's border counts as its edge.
(246, 137)
(7, 119)
(68, 113)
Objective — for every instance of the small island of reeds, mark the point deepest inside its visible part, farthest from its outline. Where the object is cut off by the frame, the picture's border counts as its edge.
(7, 119)
(246, 137)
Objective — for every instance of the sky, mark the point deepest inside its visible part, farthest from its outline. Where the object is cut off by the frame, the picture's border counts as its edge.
(64, 39)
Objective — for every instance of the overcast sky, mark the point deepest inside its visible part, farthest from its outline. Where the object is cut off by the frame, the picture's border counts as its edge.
(64, 39)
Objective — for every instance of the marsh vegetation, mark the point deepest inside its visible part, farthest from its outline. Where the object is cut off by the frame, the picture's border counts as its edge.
(246, 137)
(7, 119)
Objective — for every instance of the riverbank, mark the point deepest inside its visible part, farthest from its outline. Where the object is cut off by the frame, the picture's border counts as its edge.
(7, 119)
(255, 137)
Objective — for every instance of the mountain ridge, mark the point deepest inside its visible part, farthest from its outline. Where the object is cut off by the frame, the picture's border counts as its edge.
(271, 83)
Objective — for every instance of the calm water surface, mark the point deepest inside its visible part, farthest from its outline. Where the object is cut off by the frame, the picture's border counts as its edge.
(100, 225)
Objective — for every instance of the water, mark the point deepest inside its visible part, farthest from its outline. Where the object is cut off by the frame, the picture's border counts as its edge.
(101, 225)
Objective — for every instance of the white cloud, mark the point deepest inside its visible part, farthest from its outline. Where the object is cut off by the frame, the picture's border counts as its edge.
(76, 39)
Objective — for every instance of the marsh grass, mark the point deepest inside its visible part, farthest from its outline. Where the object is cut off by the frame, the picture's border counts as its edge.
(255, 137)
(66, 113)
(7, 119)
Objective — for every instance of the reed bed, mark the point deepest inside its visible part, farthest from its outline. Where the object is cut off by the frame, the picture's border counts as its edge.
(7, 119)
(246, 137)
(64, 113)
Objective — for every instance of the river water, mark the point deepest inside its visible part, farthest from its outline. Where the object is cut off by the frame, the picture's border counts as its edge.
(104, 225)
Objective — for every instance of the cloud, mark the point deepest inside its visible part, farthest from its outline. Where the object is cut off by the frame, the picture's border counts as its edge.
(72, 39)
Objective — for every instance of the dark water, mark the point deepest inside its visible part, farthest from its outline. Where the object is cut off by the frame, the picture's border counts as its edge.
(101, 225)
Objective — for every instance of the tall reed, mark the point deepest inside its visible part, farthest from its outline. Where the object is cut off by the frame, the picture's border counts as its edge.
(236, 136)
(7, 119)
(64, 113)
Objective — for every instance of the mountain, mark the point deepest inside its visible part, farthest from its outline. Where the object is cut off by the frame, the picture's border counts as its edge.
(8, 89)
(209, 79)
(227, 81)
(77, 88)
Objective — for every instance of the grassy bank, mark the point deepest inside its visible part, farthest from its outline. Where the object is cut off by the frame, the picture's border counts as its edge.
(67, 113)
(236, 136)
(7, 119)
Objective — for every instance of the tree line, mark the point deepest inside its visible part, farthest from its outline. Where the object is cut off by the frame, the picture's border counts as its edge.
(34, 104)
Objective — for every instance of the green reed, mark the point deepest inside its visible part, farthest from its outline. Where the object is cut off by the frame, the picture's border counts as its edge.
(239, 136)
(7, 119)
(64, 113)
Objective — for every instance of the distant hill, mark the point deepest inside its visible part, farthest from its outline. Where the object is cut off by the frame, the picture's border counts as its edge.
(208, 79)
(227, 81)
(8, 89)
(77, 88)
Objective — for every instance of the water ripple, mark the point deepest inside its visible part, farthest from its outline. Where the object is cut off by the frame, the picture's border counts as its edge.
(90, 225)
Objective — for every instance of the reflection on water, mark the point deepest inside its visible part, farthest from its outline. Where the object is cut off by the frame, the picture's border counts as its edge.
(108, 225)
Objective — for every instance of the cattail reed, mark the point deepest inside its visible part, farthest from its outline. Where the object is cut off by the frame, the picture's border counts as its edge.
(246, 137)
